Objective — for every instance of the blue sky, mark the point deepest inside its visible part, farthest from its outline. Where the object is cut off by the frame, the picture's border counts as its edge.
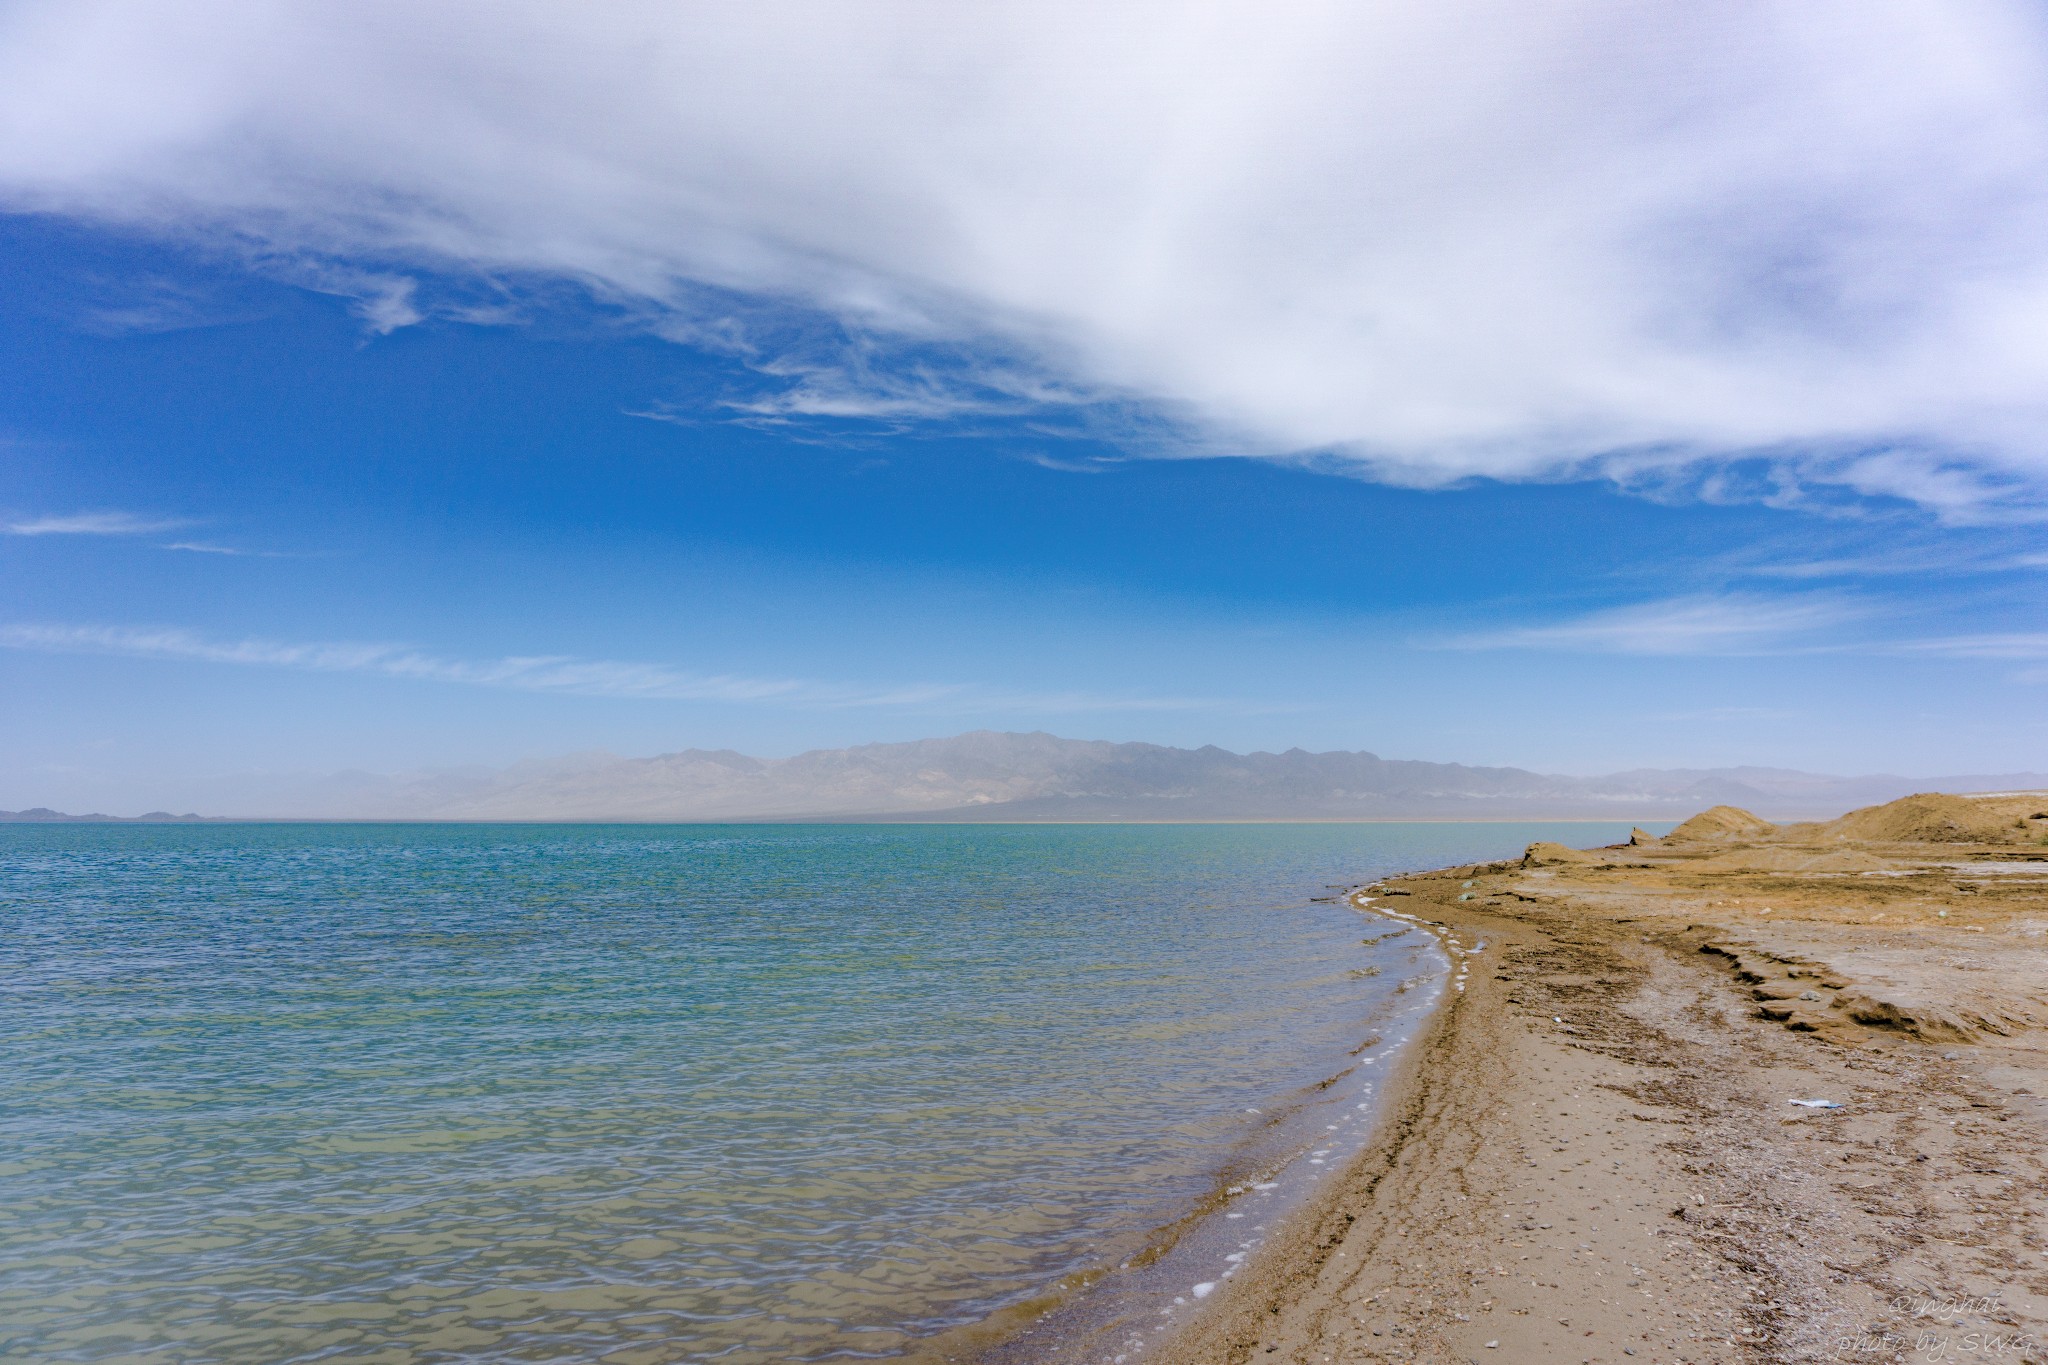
(336, 441)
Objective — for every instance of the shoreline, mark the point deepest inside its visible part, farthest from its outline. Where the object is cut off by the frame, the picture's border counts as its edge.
(1114, 1312)
(1624, 816)
(1594, 1152)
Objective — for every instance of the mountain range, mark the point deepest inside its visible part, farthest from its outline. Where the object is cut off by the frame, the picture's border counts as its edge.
(992, 776)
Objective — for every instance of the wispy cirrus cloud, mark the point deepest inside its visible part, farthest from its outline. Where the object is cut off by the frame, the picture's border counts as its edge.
(1699, 624)
(534, 673)
(1923, 561)
(1748, 625)
(1098, 465)
(875, 391)
(93, 524)
(567, 674)
(201, 547)
(147, 305)
(126, 524)
(2006, 646)
(1991, 645)
(1866, 555)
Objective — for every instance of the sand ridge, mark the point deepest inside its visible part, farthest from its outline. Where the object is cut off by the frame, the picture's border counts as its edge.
(1594, 1153)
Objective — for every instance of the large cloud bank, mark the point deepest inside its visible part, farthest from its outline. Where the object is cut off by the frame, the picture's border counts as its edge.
(1426, 239)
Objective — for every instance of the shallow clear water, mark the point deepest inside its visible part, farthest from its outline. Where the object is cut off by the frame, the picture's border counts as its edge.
(642, 1094)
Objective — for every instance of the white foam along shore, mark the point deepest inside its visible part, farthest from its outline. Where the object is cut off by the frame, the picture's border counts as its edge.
(1125, 1314)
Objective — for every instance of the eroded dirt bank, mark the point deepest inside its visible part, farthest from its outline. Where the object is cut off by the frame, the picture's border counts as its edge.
(1594, 1155)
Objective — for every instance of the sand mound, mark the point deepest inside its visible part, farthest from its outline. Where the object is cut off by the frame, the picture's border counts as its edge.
(1771, 859)
(1546, 854)
(1721, 822)
(1935, 818)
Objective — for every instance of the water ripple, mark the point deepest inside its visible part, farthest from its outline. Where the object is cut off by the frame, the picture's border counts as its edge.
(414, 1094)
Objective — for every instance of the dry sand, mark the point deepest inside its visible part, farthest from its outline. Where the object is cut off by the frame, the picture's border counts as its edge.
(1593, 1154)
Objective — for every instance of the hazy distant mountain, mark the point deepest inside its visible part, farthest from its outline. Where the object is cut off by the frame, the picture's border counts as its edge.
(988, 776)
(43, 815)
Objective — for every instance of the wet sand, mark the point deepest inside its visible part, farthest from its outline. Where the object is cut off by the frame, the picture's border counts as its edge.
(1592, 1154)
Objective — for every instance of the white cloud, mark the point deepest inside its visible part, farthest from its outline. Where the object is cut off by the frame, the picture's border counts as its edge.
(144, 305)
(1681, 626)
(1421, 241)
(1980, 554)
(384, 302)
(1742, 624)
(1045, 461)
(124, 524)
(1991, 645)
(566, 674)
(92, 524)
(200, 547)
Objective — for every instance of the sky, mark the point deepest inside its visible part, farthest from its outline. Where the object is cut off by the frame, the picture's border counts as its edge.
(1575, 386)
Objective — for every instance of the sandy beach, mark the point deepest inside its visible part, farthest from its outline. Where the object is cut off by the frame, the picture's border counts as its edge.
(1743, 1093)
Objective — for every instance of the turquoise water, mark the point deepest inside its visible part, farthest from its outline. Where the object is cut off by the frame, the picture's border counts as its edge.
(642, 1094)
